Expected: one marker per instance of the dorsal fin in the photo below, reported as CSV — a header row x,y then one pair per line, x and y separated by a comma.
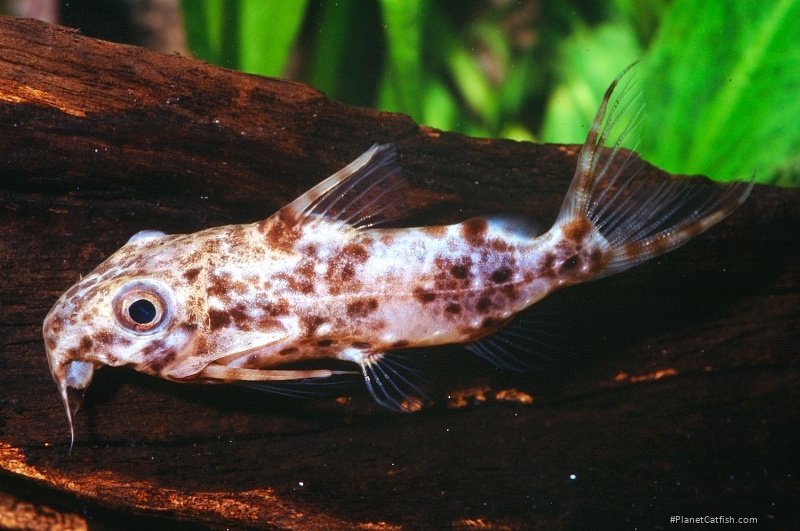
x,y
365,193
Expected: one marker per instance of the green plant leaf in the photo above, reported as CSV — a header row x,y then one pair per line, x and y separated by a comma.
x,y
267,31
721,84
203,29
404,76
589,60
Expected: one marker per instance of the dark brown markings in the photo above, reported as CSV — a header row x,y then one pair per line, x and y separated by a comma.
x,y
570,264
362,308
453,308
219,286
435,231
401,343
577,229
460,271
499,245
361,345
548,264
272,311
474,231
188,327
86,343
312,322
301,280
56,325
288,351
276,308
306,268
282,230
218,319
597,261
502,274
158,364
106,338
50,342
424,296
387,238
240,317
343,267
324,343
298,284
191,274
483,305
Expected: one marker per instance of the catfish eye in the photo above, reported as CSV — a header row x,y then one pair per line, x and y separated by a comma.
x,y
143,311
142,307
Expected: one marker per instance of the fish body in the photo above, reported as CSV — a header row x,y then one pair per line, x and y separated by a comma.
x,y
321,280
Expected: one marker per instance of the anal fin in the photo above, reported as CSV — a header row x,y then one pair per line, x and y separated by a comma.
x,y
530,342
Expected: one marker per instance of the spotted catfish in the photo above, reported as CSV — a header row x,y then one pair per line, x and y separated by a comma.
x,y
320,280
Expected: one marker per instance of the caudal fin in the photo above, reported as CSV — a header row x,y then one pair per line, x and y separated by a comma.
x,y
640,217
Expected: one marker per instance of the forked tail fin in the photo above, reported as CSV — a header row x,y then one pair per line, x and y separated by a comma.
x,y
639,217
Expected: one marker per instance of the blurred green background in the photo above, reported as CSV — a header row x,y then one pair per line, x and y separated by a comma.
x,y
721,79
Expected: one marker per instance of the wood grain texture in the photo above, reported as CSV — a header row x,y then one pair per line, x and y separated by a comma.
x,y
680,397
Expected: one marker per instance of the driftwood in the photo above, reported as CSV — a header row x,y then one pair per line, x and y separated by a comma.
x,y
680,398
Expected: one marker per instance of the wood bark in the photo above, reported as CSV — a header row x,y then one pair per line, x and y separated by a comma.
x,y
677,394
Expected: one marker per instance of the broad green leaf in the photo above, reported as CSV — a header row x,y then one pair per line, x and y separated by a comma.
x,y
589,60
268,29
473,85
440,110
203,29
403,82
722,84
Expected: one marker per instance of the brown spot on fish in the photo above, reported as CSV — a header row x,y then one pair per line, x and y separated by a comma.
x,y
86,343
501,275
282,230
343,267
577,229
460,271
157,364
218,285
483,305
597,261
474,231
288,351
499,245
362,308
401,343
424,296
276,308
191,274
240,317
325,343
356,252
435,231
297,283
453,308
361,345
218,319
312,322
50,342
56,325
